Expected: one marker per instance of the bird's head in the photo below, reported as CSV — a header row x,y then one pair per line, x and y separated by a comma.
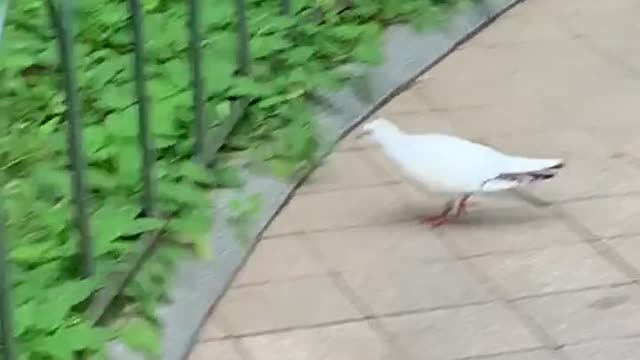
x,y
376,127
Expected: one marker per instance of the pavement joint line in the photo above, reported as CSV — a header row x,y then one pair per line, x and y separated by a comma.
x,y
569,291
524,319
501,297
602,53
382,184
353,320
502,353
598,245
509,252
365,309
407,221
288,279
596,340
611,255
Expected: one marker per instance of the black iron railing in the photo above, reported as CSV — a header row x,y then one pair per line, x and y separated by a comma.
x,y
206,144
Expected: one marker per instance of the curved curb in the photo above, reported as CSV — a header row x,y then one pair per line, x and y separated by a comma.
x,y
199,284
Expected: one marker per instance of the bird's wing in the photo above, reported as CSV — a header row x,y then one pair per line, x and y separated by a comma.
x,y
468,166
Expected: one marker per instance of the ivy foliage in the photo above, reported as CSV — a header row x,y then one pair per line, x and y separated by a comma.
x,y
291,57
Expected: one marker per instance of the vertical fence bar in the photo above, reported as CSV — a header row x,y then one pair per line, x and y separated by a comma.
x,y
7,343
8,348
244,56
62,20
144,131
200,128
285,7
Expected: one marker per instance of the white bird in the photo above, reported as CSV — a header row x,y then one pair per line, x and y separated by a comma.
x,y
456,167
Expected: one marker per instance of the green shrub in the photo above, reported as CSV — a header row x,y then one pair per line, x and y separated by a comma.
x,y
291,58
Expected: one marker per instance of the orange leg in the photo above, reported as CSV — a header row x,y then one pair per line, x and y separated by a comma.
x,y
442,218
437,220
462,206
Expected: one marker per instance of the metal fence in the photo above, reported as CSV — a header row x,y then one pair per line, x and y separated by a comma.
x,y
206,144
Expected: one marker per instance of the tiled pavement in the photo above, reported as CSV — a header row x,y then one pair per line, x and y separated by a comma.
x,y
347,273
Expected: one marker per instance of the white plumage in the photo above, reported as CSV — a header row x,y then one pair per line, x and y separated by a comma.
x,y
450,165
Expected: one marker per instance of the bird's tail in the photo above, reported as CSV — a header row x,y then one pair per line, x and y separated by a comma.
x,y
523,171
526,165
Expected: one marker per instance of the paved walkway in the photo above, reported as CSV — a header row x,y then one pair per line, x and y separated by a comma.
x,y
346,272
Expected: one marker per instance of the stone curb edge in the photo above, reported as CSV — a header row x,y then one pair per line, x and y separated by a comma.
x,y
199,284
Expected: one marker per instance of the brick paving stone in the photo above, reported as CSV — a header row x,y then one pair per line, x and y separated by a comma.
x,y
607,217
408,286
375,246
223,350
342,209
527,355
460,332
451,84
282,305
408,101
628,248
553,269
422,122
609,349
518,27
346,170
571,79
508,235
352,341
483,209
565,141
587,315
513,118
213,329
277,259
592,114
592,177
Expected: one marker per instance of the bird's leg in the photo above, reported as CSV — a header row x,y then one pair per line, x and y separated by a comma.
x,y
462,206
442,218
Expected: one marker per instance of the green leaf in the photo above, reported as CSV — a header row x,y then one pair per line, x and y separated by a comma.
x,y
52,181
101,74
178,72
58,302
228,177
275,100
24,318
123,123
282,168
95,138
262,46
128,162
116,97
141,335
346,32
193,228
142,225
196,173
182,193
66,341
164,121
243,86
109,222
370,50
300,54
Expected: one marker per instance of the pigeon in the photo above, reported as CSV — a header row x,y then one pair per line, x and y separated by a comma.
x,y
455,167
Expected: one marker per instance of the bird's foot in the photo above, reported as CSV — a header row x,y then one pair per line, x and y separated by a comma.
x,y
462,206
435,221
